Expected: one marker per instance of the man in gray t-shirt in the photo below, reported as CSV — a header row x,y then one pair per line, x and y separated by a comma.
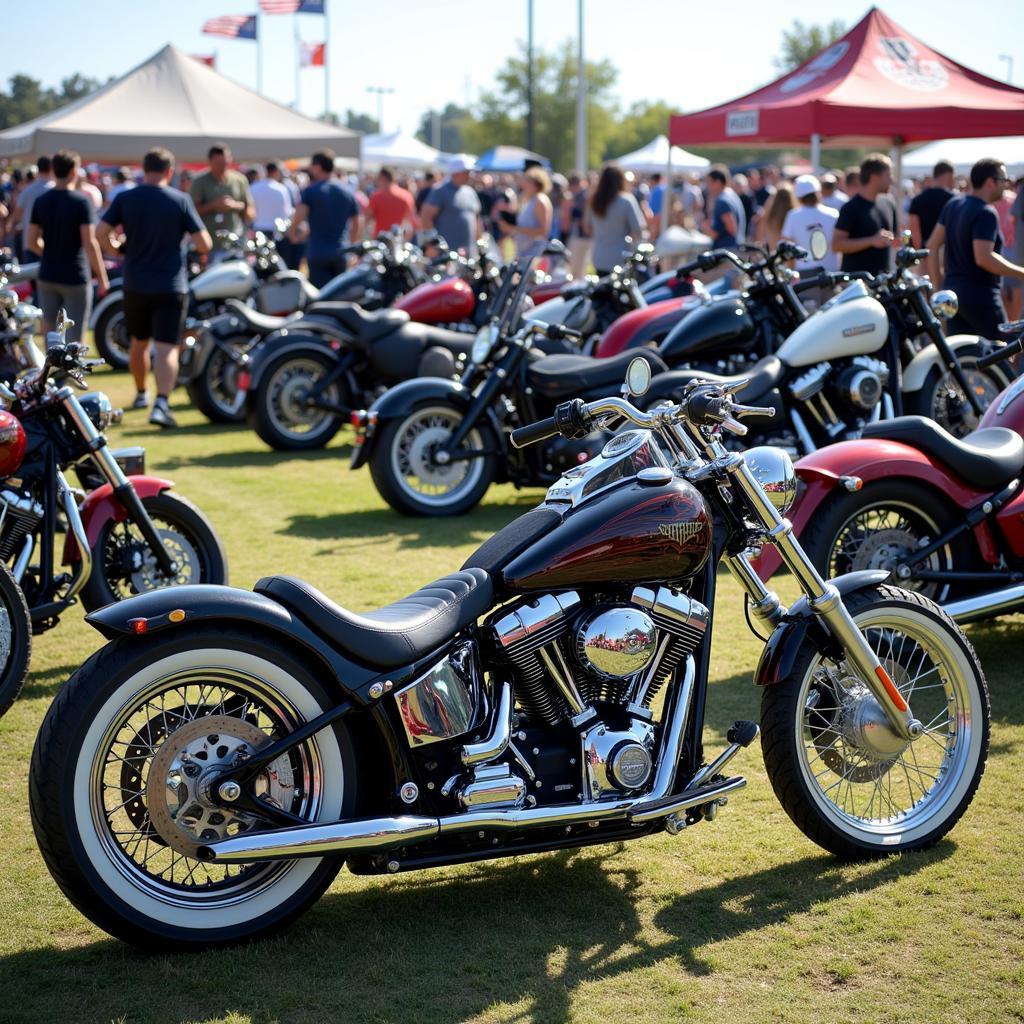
x,y
21,215
453,208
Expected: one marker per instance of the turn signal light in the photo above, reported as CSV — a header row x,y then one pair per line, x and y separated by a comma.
x,y
851,483
178,615
139,625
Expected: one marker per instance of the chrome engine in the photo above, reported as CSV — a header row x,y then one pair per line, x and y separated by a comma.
x,y
19,516
855,389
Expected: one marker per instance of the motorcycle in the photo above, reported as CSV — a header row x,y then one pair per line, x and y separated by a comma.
x,y
203,777
222,356
942,514
19,323
127,535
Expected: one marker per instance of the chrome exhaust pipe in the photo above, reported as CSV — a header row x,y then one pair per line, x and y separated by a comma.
x,y
984,606
376,834
67,498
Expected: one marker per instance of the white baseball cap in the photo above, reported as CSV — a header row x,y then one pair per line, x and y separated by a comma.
x,y
805,185
459,162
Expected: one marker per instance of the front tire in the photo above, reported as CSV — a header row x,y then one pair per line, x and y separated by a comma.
x,y
15,639
844,778
107,830
214,391
408,479
942,400
111,336
123,564
278,412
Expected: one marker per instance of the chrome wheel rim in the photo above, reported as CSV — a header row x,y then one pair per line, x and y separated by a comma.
x,y
881,536
151,850
222,375
422,479
286,399
862,777
117,334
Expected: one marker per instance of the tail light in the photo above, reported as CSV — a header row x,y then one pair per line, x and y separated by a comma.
x,y
244,380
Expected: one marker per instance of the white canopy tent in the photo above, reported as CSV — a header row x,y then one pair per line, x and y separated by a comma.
x,y
175,101
654,159
395,149
963,153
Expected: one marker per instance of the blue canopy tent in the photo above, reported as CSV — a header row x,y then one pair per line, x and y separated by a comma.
x,y
510,158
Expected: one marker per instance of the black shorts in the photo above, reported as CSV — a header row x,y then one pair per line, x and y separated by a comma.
x,y
159,316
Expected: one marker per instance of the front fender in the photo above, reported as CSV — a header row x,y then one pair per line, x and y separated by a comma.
x,y
282,343
113,297
780,652
921,365
102,506
218,604
399,401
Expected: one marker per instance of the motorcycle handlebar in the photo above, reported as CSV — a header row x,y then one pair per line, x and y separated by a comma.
x,y
533,433
1001,353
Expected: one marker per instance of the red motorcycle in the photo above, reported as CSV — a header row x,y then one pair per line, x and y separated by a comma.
x,y
944,515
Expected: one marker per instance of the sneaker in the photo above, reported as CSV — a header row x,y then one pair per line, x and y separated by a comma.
x,y
141,400
162,417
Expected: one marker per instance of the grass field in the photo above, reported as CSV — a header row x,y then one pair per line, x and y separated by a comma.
x,y
740,920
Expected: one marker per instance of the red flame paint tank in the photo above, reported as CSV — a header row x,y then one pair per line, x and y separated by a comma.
x,y
12,443
439,302
637,532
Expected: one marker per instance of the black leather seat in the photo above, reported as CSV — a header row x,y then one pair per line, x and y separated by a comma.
x,y
988,458
568,376
256,322
398,633
362,324
764,375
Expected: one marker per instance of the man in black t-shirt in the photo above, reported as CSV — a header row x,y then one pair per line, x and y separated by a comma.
x,y
926,207
965,252
867,224
62,230
156,220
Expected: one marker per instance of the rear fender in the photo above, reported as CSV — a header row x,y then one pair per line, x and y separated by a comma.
x,y
222,605
102,506
284,342
780,652
922,364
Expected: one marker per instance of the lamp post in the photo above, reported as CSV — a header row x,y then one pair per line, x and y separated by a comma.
x,y
581,96
381,91
1009,66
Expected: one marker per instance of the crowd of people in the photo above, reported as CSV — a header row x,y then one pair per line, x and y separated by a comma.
x,y
70,218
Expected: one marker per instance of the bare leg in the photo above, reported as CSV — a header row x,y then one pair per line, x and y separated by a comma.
x,y
166,369
138,362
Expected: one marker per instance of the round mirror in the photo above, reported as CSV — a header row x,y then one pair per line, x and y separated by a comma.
x,y
638,377
818,245
945,305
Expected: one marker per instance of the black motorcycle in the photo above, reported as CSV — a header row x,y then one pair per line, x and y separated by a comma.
x,y
202,778
125,532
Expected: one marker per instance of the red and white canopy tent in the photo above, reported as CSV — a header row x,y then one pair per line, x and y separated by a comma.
x,y
876,86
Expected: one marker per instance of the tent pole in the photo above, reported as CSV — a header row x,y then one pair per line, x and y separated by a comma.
x,y
259,55
297,56
327,61
896,156
815,153
666,199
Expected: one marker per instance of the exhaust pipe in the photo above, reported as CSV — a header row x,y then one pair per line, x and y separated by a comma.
x,y
374,834
984,606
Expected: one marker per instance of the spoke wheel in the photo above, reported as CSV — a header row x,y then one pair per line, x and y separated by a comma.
x,y
941,398
284,418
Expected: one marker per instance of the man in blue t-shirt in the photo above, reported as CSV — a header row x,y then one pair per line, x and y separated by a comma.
x,y
332,215
965,252
156,220
728,221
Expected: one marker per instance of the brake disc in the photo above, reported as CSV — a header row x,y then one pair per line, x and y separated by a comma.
x,y
884,549
146,575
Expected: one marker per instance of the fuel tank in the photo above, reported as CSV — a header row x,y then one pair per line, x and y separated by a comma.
x,y
439,302
232,279
856,327
12,443
636,532
646,326
1007,410
349,285
721,325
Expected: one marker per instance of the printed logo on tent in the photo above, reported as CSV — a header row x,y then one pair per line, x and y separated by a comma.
x,y
825,61
741,122
900,64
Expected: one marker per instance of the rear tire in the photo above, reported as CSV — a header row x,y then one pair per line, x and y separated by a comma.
x,y
144,896
410,483
15,639
941,400
111,336
214,390
276,412
817,726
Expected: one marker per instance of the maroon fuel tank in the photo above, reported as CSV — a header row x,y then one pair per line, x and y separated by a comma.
x,y
634,533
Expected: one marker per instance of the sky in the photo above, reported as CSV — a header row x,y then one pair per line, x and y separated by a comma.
x,y
430,52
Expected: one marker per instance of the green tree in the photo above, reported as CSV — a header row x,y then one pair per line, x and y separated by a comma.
x,y
500,114
637,126
361,123
453,120
25,97
801,42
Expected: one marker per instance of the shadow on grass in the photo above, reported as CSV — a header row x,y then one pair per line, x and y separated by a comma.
x,y
46,682
434,948
260,457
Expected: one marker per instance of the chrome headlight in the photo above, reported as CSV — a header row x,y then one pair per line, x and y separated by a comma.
x,y
27,315
945,304
485,340
98,408
773,470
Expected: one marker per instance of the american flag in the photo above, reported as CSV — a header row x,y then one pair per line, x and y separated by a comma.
x,y
234,26
292,6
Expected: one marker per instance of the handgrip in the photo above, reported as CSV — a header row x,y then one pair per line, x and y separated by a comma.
x,y
532,433
1001,353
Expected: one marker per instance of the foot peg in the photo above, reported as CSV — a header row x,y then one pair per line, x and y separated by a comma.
x,y
740,735
743,733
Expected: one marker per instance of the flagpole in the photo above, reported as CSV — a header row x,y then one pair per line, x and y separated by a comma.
x,y
327,61
259,55
297,55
